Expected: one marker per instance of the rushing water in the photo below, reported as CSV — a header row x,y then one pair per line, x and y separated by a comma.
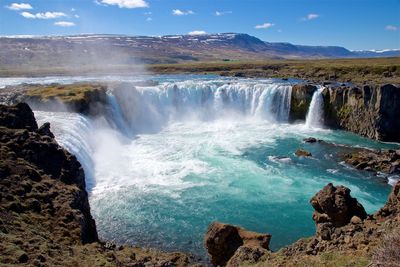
x,y
175,157
315,113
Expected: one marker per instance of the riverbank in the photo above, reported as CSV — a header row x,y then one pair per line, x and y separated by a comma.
x,y
373,71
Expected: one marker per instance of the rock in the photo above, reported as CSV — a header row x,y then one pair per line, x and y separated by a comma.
x,y
223,240
394,169
23,257
246,255
19,116
355,220
45,130
385,161
336,206
310,140
303,153
392,206
369,111
300,101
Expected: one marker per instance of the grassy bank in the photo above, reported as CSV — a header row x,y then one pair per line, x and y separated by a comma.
x,y
373,70
377,70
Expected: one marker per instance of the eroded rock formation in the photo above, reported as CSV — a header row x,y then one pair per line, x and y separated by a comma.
x,y
227,243
334,205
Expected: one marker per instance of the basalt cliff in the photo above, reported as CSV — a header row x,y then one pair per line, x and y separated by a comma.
x,y
370,111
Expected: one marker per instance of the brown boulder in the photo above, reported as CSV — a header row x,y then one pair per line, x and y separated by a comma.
x,y
335,205
223,241
392,206
303,153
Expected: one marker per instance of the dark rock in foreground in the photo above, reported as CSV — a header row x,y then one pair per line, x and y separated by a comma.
x,y
335,206
227,243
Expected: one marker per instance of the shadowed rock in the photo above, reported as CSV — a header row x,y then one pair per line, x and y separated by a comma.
x,y
335,205
224,241
19,116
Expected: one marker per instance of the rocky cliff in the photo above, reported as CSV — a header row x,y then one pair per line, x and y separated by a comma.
x,y
45,217
300,101
370,111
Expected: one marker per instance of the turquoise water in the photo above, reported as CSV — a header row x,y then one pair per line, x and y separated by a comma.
x,y
171,185
192,150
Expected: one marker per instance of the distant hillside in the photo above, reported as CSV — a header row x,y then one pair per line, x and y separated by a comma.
x,y
116,50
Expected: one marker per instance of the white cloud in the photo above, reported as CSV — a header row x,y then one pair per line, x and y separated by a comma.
x,y
46,15
311,16
264,26
73,9
149,19
221,13
178,12
64,24
124,3
21,6
28,15
197,33
391,28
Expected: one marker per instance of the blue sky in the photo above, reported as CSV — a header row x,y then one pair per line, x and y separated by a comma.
x,y
354,24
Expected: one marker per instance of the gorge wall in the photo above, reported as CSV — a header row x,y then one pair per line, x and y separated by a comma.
x,y
370,111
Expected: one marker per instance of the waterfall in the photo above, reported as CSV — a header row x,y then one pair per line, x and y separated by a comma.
x,y
73,132
315,113
138,109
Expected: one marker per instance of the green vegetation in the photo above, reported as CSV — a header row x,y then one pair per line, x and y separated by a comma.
x,y
65,93
377,70
372,70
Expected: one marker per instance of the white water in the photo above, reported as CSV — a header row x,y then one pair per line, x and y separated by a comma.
x,y
74,132
148,109
315,113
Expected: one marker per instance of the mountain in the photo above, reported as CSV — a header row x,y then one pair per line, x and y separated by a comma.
x,y
90,49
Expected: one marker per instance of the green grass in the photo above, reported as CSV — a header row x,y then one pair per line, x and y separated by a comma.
x,y
65,93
